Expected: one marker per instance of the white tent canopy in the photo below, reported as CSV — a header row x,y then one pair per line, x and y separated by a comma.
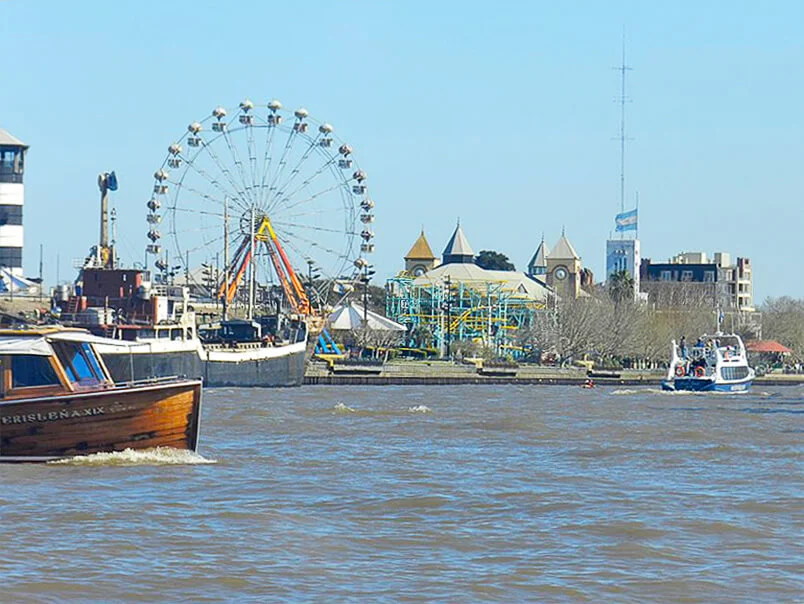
x,y
349,316
11,282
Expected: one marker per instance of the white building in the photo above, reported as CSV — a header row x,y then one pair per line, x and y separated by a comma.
x,y
623,255
12,165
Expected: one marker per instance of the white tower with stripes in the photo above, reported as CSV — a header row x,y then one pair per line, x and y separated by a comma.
x,y
12,167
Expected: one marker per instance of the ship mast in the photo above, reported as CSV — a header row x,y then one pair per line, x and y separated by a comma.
x,y
252,269
623,68
225,257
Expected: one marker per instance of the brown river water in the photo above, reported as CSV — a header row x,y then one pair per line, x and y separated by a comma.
x,y
414,493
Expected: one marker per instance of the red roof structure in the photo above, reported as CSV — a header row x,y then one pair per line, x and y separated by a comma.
x,y
771,346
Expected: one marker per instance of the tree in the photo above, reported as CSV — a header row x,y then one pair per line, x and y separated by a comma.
x,y
621,287
494,261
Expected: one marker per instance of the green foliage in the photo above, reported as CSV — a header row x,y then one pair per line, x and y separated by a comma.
x,y
621,287
422,336
494,261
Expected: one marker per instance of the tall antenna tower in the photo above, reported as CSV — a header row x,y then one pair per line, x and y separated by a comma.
x,y
623,68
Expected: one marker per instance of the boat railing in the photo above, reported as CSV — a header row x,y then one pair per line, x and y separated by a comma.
x,y
148,381
236,345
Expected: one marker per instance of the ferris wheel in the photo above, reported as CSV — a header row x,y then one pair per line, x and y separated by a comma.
x,y
264,195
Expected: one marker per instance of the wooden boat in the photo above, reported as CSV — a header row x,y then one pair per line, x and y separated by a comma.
x,y
57,400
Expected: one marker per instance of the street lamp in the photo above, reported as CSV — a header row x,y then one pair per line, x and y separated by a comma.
x,y
447,307
367,274
312,275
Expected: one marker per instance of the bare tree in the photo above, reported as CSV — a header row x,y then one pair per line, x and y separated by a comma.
x,y
783,320
364,337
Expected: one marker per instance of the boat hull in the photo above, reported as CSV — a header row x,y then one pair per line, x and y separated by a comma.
x,y
705,385
157,414
247,367
256,367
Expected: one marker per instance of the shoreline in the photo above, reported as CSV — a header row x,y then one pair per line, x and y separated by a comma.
x,y
444,373
374,380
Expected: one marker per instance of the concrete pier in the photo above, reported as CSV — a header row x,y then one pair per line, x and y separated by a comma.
x,y
438,372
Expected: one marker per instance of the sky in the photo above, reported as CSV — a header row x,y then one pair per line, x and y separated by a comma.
x,y
502,115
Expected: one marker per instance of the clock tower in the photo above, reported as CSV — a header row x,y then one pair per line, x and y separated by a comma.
x,y
420,258
563,271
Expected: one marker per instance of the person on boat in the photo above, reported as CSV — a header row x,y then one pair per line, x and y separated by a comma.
x,y
699,343
682,346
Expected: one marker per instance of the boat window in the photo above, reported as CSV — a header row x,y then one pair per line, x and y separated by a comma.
x,y
734,373
93,360
76,363
32,370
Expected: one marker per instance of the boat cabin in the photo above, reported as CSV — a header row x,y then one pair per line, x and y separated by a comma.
x,y
48,362
233,330
718,357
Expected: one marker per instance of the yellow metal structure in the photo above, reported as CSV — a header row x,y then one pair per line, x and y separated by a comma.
x,y
291,285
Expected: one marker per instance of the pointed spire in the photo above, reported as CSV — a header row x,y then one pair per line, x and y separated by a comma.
x,y
458,249
538,264
540,257
563,249
420,250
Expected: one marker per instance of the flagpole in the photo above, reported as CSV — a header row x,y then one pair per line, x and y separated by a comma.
x,y
636,231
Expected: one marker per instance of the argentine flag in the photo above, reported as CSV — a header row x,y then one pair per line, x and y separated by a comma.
x,y
627,221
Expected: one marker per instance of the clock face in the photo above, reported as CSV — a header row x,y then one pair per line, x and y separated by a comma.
x,y
560,273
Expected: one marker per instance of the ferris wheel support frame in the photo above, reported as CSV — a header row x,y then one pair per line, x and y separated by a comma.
x,y
244,260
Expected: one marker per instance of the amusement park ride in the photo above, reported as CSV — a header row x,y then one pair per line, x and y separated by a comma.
x,y
291,285
272,191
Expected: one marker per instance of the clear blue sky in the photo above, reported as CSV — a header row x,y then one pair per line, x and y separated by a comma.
x,y
501,114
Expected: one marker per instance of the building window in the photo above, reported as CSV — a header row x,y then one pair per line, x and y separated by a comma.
x,y
686,275
709,276
11,256
10,214
666,276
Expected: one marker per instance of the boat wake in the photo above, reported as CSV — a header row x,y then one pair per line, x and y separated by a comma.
x,y
344,409
341,408
420,409
157,456
636,391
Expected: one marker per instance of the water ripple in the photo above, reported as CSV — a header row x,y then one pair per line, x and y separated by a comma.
x,y
473,493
